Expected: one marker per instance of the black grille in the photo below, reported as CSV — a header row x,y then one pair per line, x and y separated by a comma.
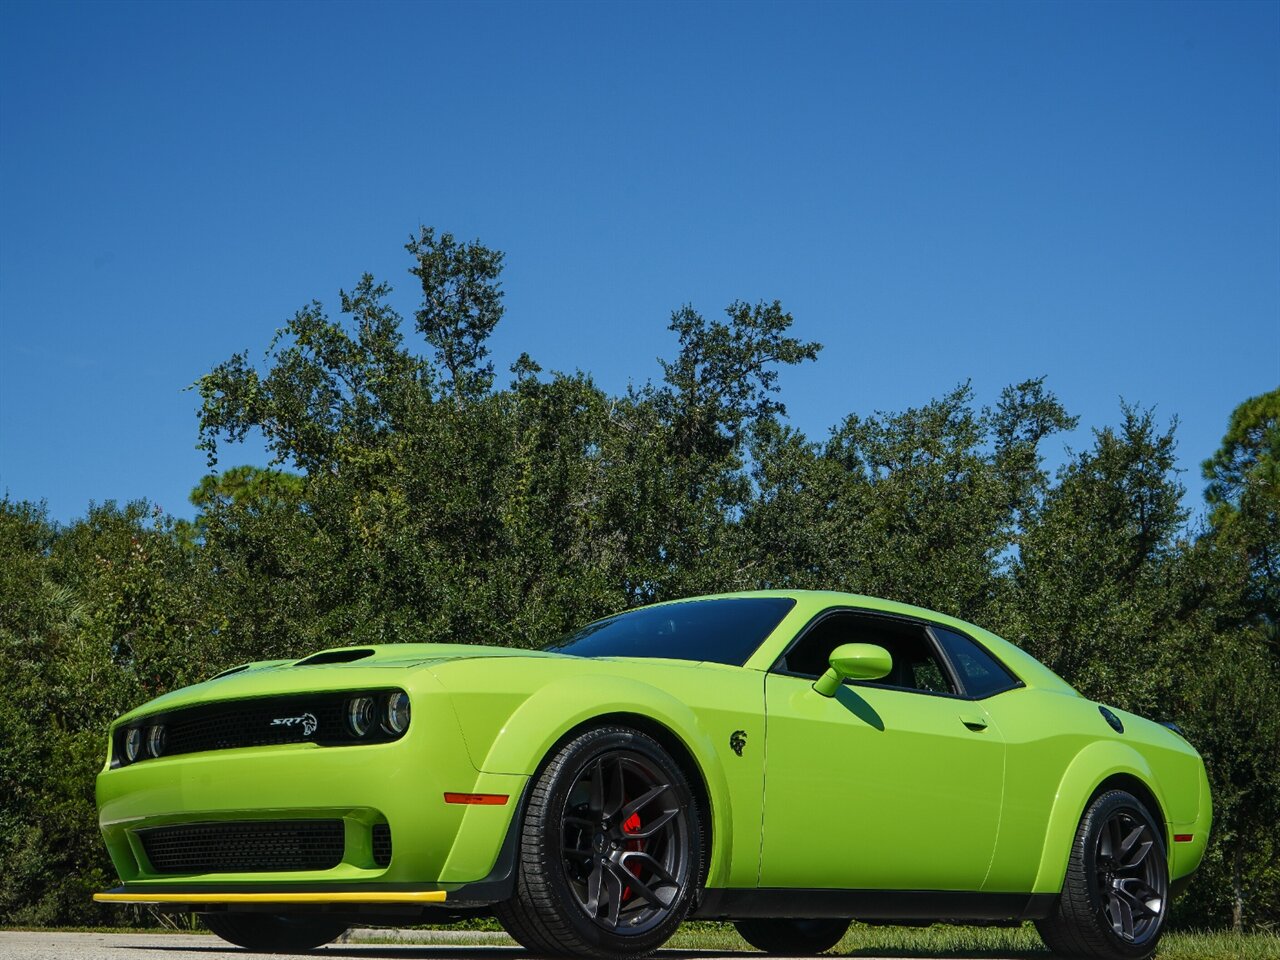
x,y
263,721
249,723
381,844
245,846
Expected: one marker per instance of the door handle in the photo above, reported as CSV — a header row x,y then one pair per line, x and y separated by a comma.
x,y
973,721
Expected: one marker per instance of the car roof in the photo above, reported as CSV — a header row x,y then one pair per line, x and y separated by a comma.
x,y
810,603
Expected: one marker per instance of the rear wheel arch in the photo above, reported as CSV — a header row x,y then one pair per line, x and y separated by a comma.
x,y
1140,791
1101,766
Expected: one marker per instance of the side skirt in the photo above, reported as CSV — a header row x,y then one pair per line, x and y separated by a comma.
x,y
932,905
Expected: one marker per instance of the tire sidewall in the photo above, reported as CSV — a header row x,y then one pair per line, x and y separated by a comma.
x,y
576,757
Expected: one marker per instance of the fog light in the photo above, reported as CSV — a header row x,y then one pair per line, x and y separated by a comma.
x,y
156,739
360,715
133,744
395,719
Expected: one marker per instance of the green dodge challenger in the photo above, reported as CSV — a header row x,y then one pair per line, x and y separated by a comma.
x,y
787,760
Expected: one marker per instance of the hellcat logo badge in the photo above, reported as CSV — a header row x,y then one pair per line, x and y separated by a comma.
x,y
307,721
738,741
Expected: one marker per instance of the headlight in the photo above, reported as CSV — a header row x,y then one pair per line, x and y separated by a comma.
x,y
361,715
156,738
395,719
133,744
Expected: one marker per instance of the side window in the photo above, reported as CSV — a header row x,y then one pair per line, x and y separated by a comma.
x,y
916,665
981,674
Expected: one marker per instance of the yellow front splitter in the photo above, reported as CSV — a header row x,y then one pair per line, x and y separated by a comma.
x,y
336,896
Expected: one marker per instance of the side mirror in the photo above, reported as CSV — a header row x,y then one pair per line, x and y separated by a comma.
x,y
854,661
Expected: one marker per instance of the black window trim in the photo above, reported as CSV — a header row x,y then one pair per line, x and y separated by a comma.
x,y
953,675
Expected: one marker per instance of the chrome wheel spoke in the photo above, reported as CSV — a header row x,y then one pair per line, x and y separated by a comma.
x,y
653,826
1129,840
1140,897
646,798
650,862
593,889
637,885
1121,916
614,884
595,788
618,788
1138,855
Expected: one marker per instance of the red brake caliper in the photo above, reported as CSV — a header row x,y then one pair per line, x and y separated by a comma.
x,y
632,825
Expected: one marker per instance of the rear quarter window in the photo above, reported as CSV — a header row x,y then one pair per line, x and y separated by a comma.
x,y
979,673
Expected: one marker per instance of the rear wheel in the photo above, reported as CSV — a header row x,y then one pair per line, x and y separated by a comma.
x,y
792,936
610,850
275,932
1116,893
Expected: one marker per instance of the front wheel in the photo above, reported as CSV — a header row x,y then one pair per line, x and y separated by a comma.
x,y
792,936
611,850
1116,893
275,932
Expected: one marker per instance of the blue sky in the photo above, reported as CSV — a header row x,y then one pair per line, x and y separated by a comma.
x,y
938,192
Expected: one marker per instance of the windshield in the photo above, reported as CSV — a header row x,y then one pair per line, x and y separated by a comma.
x,y
722,631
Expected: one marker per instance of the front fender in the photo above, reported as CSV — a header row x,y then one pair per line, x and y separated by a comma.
x,y
1091,766
515,723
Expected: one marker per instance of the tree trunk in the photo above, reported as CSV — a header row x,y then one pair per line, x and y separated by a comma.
x,y
1237,893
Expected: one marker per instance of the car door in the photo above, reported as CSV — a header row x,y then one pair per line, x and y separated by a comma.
x,y
891,785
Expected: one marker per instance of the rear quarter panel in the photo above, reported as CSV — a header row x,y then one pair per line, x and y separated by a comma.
x,y
1059,751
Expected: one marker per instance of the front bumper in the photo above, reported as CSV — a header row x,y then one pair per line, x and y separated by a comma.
x,y
437,846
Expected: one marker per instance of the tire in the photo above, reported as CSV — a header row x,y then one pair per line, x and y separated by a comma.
x,y
611,851
1115,897
275,932
792,936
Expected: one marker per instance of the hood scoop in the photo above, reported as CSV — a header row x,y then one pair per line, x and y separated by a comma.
x,y
335,656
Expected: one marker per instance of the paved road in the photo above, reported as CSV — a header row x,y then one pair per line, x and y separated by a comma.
x,y
155,946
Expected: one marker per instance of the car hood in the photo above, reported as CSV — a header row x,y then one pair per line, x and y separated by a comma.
x,y
374,665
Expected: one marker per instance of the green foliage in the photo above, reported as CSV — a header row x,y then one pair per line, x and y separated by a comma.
x,y
413,497
1244,492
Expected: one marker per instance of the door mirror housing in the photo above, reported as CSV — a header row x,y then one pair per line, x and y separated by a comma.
x,y
854,661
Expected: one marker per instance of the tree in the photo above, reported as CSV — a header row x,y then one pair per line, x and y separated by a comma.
x,y
461,304
1244,494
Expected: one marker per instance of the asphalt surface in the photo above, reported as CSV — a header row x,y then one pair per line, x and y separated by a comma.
x,y
174,946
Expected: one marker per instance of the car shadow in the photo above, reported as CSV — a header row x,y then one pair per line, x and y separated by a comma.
x,y
392,952
882,953
446,952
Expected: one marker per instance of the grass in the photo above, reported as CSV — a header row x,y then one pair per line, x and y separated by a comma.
x,y
940,942
937,942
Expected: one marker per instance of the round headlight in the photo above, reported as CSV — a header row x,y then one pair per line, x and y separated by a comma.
x,y
395,719
133,744
361,715
156,738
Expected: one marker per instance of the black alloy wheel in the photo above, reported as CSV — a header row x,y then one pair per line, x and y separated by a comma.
x,y
1130,877
611,849
1116,893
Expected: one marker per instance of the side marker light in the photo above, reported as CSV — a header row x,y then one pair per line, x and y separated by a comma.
x,y
479,799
